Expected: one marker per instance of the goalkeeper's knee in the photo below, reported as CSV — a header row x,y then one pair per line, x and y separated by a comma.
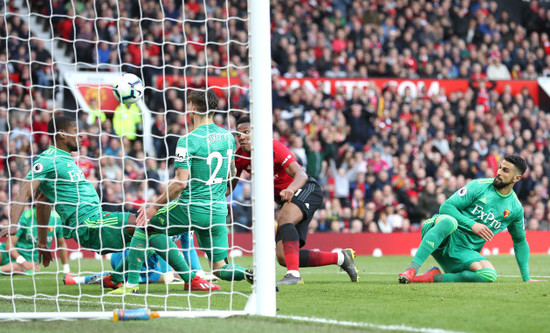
x,y
487,274
446,223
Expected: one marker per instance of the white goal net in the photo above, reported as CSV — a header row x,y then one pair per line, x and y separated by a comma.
x,y
61,58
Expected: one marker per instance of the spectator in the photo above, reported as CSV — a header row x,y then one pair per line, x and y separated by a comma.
x,y
496,70
127,120
420,144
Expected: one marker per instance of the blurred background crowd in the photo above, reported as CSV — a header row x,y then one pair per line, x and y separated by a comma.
x,y
385,160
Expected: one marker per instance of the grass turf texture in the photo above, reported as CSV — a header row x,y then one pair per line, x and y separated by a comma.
x,y
508,305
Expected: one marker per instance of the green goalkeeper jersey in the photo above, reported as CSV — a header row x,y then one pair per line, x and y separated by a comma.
x,y
28,234
207,152
480,202
65,185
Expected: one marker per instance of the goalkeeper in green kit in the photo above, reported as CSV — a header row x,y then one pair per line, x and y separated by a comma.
x,y
204,159
468,219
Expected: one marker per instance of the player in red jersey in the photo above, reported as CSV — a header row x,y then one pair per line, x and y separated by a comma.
x,y
299,196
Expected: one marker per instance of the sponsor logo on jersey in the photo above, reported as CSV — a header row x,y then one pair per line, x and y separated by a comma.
x,y
109,213
506,213
69,165
38,167
462,192
307,205
430,243
487,218
483,200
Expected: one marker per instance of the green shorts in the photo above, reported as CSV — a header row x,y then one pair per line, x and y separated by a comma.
x,y
104,233
455,254
211,230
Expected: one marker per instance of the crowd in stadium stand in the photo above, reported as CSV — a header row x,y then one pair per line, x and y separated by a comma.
x,y
383,169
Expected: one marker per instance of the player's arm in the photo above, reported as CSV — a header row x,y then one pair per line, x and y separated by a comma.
x,y
173,190
12,250
521,248
299,176
63,254
43,213
458,202
29,188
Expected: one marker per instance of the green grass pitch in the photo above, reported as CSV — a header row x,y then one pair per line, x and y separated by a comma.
x,y
327,302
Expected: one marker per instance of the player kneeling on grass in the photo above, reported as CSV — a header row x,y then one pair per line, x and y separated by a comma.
x,y
76,201
203,160
299,196
468,219
18,255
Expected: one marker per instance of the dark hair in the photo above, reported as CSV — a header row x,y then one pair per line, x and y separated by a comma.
x,y
243,120
59,123
203,100
518,162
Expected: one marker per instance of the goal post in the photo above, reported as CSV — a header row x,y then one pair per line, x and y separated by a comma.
x,y
262,156
42,295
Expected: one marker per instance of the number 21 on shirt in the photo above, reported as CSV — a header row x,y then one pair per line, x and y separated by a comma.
x,y
181,154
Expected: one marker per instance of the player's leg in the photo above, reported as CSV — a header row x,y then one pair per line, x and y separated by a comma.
x,y
288,235
170,220
288,242
9,267
460,264
481,270
300,211
163,271
214,241
190,254
344,258
434,232
117,236
69,279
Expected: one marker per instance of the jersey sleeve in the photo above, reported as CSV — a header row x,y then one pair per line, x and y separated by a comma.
x,y
183,153
521,247
42,168
240,161
282,155
459,201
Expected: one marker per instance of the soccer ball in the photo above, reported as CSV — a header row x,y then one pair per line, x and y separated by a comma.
x,y
128,88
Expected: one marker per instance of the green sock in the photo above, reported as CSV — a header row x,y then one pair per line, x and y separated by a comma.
x,y
116,276
445,226
481,275
171,253
414,265
231,272
136,256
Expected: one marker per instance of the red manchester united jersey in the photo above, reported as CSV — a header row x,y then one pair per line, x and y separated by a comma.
x,y
282,157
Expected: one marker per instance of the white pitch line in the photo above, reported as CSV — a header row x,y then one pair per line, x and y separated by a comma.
x,y
368,325
92,302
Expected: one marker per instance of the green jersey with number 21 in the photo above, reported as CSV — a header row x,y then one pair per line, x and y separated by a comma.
x,y
207,152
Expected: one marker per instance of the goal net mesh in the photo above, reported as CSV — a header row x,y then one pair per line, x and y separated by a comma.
x,y
61,58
